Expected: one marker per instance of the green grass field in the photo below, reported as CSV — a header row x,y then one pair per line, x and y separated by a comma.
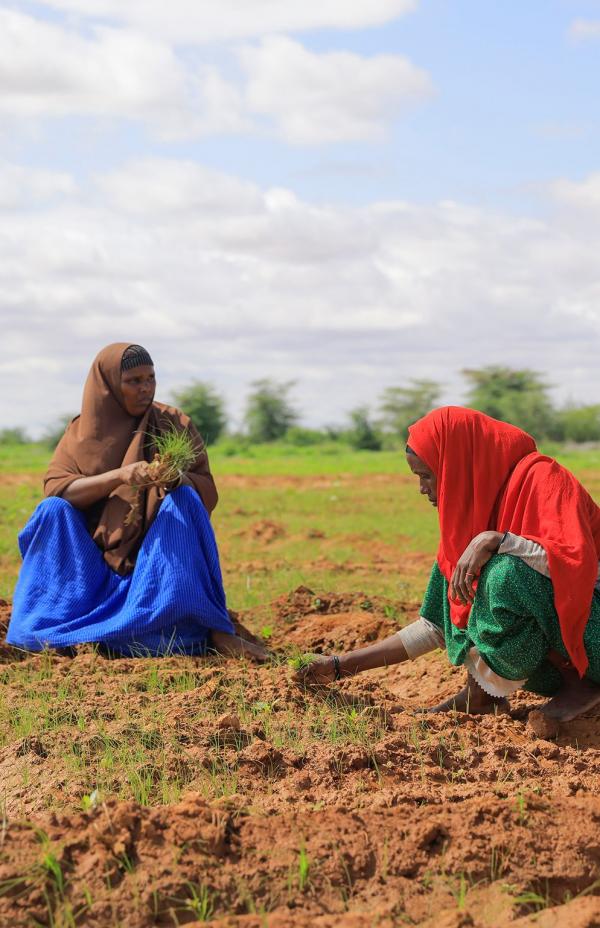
x,y
341,519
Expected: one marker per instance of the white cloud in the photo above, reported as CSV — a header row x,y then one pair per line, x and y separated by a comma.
x,y
48,71
330,97
21,187
162,187
203,21
582,30
581,195
228,282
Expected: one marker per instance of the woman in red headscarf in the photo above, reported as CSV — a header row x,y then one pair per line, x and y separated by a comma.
x,y
512,593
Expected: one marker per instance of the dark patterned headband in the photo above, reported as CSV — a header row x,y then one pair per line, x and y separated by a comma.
x,y
135,356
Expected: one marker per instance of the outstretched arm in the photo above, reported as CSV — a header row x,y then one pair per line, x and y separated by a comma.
x,y
389,651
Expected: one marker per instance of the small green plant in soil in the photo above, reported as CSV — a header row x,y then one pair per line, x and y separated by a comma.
x,y
302,660
200,902
299,875
521,808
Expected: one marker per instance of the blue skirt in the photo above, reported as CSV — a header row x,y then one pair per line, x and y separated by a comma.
x,y
67,594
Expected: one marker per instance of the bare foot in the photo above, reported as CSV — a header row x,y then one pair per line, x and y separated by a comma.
x,y
474,700
575,697
234,646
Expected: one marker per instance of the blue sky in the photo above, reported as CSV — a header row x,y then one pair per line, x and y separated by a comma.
x,y
349,207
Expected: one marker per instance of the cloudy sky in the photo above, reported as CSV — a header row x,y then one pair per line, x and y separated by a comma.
x,y
346,193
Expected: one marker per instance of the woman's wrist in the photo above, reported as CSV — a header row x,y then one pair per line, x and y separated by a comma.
x,y
345,664
491,540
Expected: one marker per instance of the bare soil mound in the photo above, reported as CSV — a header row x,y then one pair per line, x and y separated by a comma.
x,y
321,622
122,863
265,531
183,791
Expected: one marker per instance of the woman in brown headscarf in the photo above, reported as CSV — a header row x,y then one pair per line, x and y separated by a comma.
x,y
144,585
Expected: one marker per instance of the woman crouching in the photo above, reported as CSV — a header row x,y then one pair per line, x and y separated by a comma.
x,y
513,595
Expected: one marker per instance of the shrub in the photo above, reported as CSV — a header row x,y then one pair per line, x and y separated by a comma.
x,y
269,413
205,407
14,436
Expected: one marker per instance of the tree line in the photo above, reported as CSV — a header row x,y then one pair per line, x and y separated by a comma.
x,y
519,396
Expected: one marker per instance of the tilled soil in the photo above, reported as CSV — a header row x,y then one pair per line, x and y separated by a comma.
x,y
142,792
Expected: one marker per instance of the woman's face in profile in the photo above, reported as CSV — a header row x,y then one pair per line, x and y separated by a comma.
x,y
138,387
427,479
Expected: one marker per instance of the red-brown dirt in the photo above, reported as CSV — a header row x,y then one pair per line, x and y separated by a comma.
x,y
445,821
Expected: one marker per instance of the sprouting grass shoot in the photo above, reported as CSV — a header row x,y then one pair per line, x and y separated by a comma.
x,y
175,453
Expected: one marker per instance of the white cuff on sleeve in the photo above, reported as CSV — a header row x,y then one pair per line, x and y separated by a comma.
x,y
528,551
420,637
487,679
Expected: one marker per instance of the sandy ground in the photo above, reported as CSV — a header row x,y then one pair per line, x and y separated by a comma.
x,y
444,821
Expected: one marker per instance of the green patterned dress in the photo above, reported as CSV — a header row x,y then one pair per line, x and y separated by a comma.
x,y
513,624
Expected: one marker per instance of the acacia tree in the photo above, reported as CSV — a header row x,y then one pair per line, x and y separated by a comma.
x,y
362,434
518,396
401,406
269,413
205,407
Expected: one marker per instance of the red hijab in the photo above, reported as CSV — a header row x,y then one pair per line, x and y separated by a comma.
x,y
490,476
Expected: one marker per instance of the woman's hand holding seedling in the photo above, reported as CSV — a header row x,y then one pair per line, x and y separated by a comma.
x,y
314,670
319,671
175,453
140,474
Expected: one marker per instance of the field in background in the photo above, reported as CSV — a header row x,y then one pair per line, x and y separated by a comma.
x,y
285,517
288,516
178,791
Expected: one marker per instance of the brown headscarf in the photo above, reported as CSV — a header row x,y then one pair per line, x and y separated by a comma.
x,y
105,437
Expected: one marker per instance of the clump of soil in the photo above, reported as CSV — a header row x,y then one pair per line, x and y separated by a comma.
x,y
303,601
326,621
265,531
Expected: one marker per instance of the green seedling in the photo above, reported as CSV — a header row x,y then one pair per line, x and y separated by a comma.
x,y
303,869
302,661
529,900
175,453
521,807
299,875
200,902
391,613
90,801
460,890
266,632
50,864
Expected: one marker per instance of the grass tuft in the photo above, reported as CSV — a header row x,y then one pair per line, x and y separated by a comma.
x,y
175,453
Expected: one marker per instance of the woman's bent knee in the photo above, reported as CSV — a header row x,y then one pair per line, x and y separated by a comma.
x,y
53,505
